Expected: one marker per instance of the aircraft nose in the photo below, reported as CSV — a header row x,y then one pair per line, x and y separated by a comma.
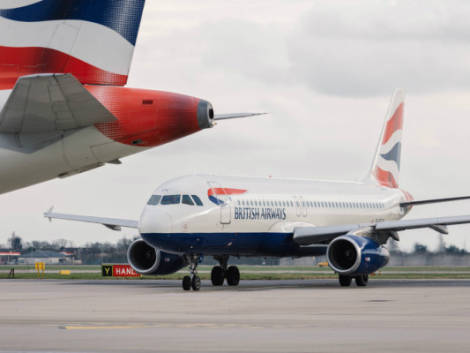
x,y
154,220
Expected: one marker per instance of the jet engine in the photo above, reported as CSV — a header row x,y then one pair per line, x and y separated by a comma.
x,y
351,255
148,260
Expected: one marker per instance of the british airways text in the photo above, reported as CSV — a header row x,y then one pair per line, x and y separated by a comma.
x,y
248,213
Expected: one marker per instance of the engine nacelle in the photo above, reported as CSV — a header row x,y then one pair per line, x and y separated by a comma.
x,y
353,255
148,260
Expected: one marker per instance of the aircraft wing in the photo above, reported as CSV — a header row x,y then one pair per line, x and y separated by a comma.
x,y
425,202
50,103
315,235
111,223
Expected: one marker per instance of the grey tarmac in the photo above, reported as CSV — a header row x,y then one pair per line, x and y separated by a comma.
x,y
259,316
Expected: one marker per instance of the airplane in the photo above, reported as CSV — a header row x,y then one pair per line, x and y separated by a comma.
x,y
349,222
64,109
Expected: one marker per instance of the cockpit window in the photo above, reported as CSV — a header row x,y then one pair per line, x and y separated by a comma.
x,y
197,200
187,200
171,200
154,200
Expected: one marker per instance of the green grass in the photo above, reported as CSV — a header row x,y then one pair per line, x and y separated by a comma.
x,y
254,276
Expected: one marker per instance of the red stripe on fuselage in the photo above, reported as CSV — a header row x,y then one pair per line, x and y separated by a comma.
x,y
395,123
146,118
225,191
17,62
385,178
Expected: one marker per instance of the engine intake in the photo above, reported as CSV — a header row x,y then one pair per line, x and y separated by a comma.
x,y
148,260
352,254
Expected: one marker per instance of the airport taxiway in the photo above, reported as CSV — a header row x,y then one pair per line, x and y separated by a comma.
x,y
259,316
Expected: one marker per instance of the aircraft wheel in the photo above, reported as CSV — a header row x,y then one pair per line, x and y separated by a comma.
x,y
186,283
196,283
345,281
217,276
362,280
233,276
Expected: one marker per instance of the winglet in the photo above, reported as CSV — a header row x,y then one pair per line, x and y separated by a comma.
x,y
47,214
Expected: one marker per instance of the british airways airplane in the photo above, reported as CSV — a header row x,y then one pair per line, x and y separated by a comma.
x,y
63,107
203,215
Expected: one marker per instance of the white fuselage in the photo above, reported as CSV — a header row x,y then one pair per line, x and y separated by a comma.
x,y
240,208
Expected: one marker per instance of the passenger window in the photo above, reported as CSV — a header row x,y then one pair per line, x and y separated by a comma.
x,y
171,200
154,200
187,200
197,200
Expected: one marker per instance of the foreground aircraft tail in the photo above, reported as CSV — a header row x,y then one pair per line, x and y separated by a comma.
x,y
93,40
386,164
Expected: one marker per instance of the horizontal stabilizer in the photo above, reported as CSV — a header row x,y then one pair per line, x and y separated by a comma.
x,y
424,202
111,223
50,103
236,116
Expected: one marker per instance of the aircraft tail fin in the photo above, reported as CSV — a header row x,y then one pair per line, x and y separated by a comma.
x,y
93,40
385,167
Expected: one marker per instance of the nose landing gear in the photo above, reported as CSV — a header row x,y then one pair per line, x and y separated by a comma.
x,y
222,272
193,281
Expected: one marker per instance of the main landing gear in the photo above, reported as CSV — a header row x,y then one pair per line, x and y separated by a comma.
x,y
193,281
361,280
222,272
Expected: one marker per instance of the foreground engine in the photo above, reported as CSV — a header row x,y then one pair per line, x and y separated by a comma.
x,y
352,255
148,260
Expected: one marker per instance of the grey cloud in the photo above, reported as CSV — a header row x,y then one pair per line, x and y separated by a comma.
x,y
366,48
339,47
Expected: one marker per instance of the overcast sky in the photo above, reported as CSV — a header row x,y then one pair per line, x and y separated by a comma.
x,y
324,69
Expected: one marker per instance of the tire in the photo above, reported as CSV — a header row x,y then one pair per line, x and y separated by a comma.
x,y
345,281
186,283
196,283
217,276
233,276
362,280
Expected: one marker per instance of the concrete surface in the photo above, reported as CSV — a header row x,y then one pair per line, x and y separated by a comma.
x,y
259,316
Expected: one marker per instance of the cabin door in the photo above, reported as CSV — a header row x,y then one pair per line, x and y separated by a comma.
x,y
221,198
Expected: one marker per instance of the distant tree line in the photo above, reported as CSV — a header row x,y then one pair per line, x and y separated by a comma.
x,y
97,252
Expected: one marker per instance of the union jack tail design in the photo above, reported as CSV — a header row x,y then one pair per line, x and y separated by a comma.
x,y
386,165
92,39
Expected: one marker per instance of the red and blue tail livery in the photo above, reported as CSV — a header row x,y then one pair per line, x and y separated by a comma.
x,y
386,167
92,39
